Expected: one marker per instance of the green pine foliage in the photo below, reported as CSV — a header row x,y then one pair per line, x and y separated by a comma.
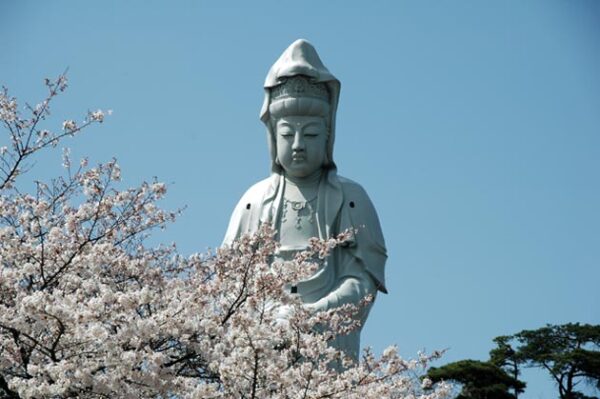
x,y
570,353
479,380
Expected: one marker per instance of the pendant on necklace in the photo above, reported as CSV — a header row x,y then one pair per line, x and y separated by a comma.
x,y
298,205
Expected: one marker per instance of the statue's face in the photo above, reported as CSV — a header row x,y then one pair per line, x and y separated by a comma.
x,y
301,144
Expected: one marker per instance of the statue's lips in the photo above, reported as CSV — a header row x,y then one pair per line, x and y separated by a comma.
x,y
298,158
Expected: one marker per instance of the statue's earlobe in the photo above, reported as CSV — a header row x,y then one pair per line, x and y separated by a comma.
x,y
326,160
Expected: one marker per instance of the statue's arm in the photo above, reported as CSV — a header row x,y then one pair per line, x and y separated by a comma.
x,y
368,246
351,288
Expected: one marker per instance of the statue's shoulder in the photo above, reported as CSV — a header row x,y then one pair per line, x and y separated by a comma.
x,y
360,207
258,189
352,188
247,206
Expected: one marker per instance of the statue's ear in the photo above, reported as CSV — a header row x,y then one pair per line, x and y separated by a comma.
x,y
326,159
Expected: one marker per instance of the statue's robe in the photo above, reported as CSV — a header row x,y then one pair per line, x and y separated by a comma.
x,y
342,204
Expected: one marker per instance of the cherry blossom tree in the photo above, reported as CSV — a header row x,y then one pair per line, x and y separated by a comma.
x,y
88,309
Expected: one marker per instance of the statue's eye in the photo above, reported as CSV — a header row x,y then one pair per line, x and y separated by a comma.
x,y
311,133
286,133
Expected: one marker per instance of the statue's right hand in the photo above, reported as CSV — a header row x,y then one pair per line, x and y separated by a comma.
x,y
282,314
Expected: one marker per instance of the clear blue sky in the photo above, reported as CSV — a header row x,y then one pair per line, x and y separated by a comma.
x,y
474,126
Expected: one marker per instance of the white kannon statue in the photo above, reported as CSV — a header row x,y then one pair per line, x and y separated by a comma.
x,y
304,196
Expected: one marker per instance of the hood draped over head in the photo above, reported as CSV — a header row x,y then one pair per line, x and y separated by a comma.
x,y
300,59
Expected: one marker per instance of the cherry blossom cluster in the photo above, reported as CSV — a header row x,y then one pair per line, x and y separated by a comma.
x,y
88,309
25,134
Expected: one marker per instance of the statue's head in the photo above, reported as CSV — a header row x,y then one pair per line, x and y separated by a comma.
x,y
301,99
299,119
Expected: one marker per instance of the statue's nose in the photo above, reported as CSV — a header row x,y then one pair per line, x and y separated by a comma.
x,y
298,144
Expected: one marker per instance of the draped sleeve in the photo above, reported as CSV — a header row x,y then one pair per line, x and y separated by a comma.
x,y
250,209
368,245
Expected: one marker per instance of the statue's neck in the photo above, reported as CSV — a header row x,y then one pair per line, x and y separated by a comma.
x,y
302,189
307,181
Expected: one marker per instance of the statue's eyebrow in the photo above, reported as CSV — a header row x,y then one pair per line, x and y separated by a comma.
x,y
291,124
310,124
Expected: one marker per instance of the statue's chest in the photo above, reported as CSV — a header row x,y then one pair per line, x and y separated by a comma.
x,y
297,219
